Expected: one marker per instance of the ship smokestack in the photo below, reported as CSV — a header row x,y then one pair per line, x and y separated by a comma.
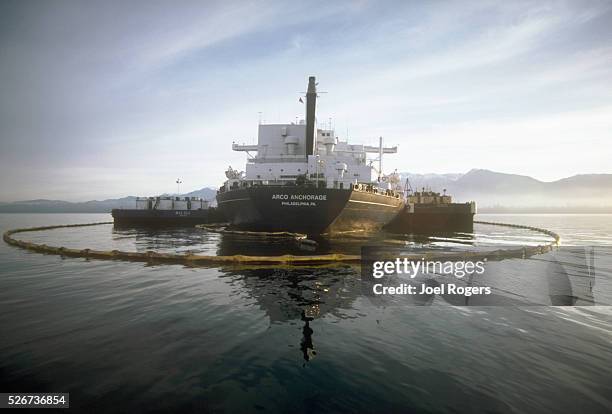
x,y
311,103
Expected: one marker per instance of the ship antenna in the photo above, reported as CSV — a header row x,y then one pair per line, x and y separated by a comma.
x,y
178,186
380,155
408,187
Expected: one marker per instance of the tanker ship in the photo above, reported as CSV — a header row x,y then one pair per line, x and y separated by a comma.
x,y
304,179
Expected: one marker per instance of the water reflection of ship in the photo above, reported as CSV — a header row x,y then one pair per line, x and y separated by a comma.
x,y
349,243
306,345
304,294
233,244
283,294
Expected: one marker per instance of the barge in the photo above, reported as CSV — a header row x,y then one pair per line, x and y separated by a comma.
x,y
430,212
166,211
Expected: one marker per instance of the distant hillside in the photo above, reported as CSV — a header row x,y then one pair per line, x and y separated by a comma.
x,y
493,192
509,191
205,193
94,206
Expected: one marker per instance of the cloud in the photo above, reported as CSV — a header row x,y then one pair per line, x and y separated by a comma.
x,y
120,98
542,146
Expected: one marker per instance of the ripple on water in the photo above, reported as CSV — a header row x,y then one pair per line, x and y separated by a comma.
x,y
175,338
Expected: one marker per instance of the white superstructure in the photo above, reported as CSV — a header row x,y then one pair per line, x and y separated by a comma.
x,y
280,159
300,153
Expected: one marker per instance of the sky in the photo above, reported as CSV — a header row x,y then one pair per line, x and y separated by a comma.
x,y
110,98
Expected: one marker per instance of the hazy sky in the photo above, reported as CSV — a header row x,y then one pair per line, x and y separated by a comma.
x,y
106,99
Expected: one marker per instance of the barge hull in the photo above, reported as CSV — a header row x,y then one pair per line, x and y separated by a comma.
x,y
443,218
164,218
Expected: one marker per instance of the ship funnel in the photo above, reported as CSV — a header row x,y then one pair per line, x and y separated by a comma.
x,y
311,103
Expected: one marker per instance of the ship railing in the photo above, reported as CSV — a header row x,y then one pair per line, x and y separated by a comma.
x,y
370,188
276,158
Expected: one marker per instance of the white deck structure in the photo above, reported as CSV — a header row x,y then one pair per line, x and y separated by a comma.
x,y
280,159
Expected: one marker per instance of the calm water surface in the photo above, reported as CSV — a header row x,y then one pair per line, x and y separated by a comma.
x,y
130,337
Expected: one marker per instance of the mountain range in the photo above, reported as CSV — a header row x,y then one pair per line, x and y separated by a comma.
x,y
93,206
492,191
510,192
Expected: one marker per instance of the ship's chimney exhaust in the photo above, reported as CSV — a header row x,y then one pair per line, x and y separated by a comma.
x,y
311,104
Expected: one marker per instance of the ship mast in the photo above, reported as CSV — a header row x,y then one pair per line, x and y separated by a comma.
x,y
311,103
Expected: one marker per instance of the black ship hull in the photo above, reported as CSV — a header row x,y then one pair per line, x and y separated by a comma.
x,y
434,218
307,210
163,218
